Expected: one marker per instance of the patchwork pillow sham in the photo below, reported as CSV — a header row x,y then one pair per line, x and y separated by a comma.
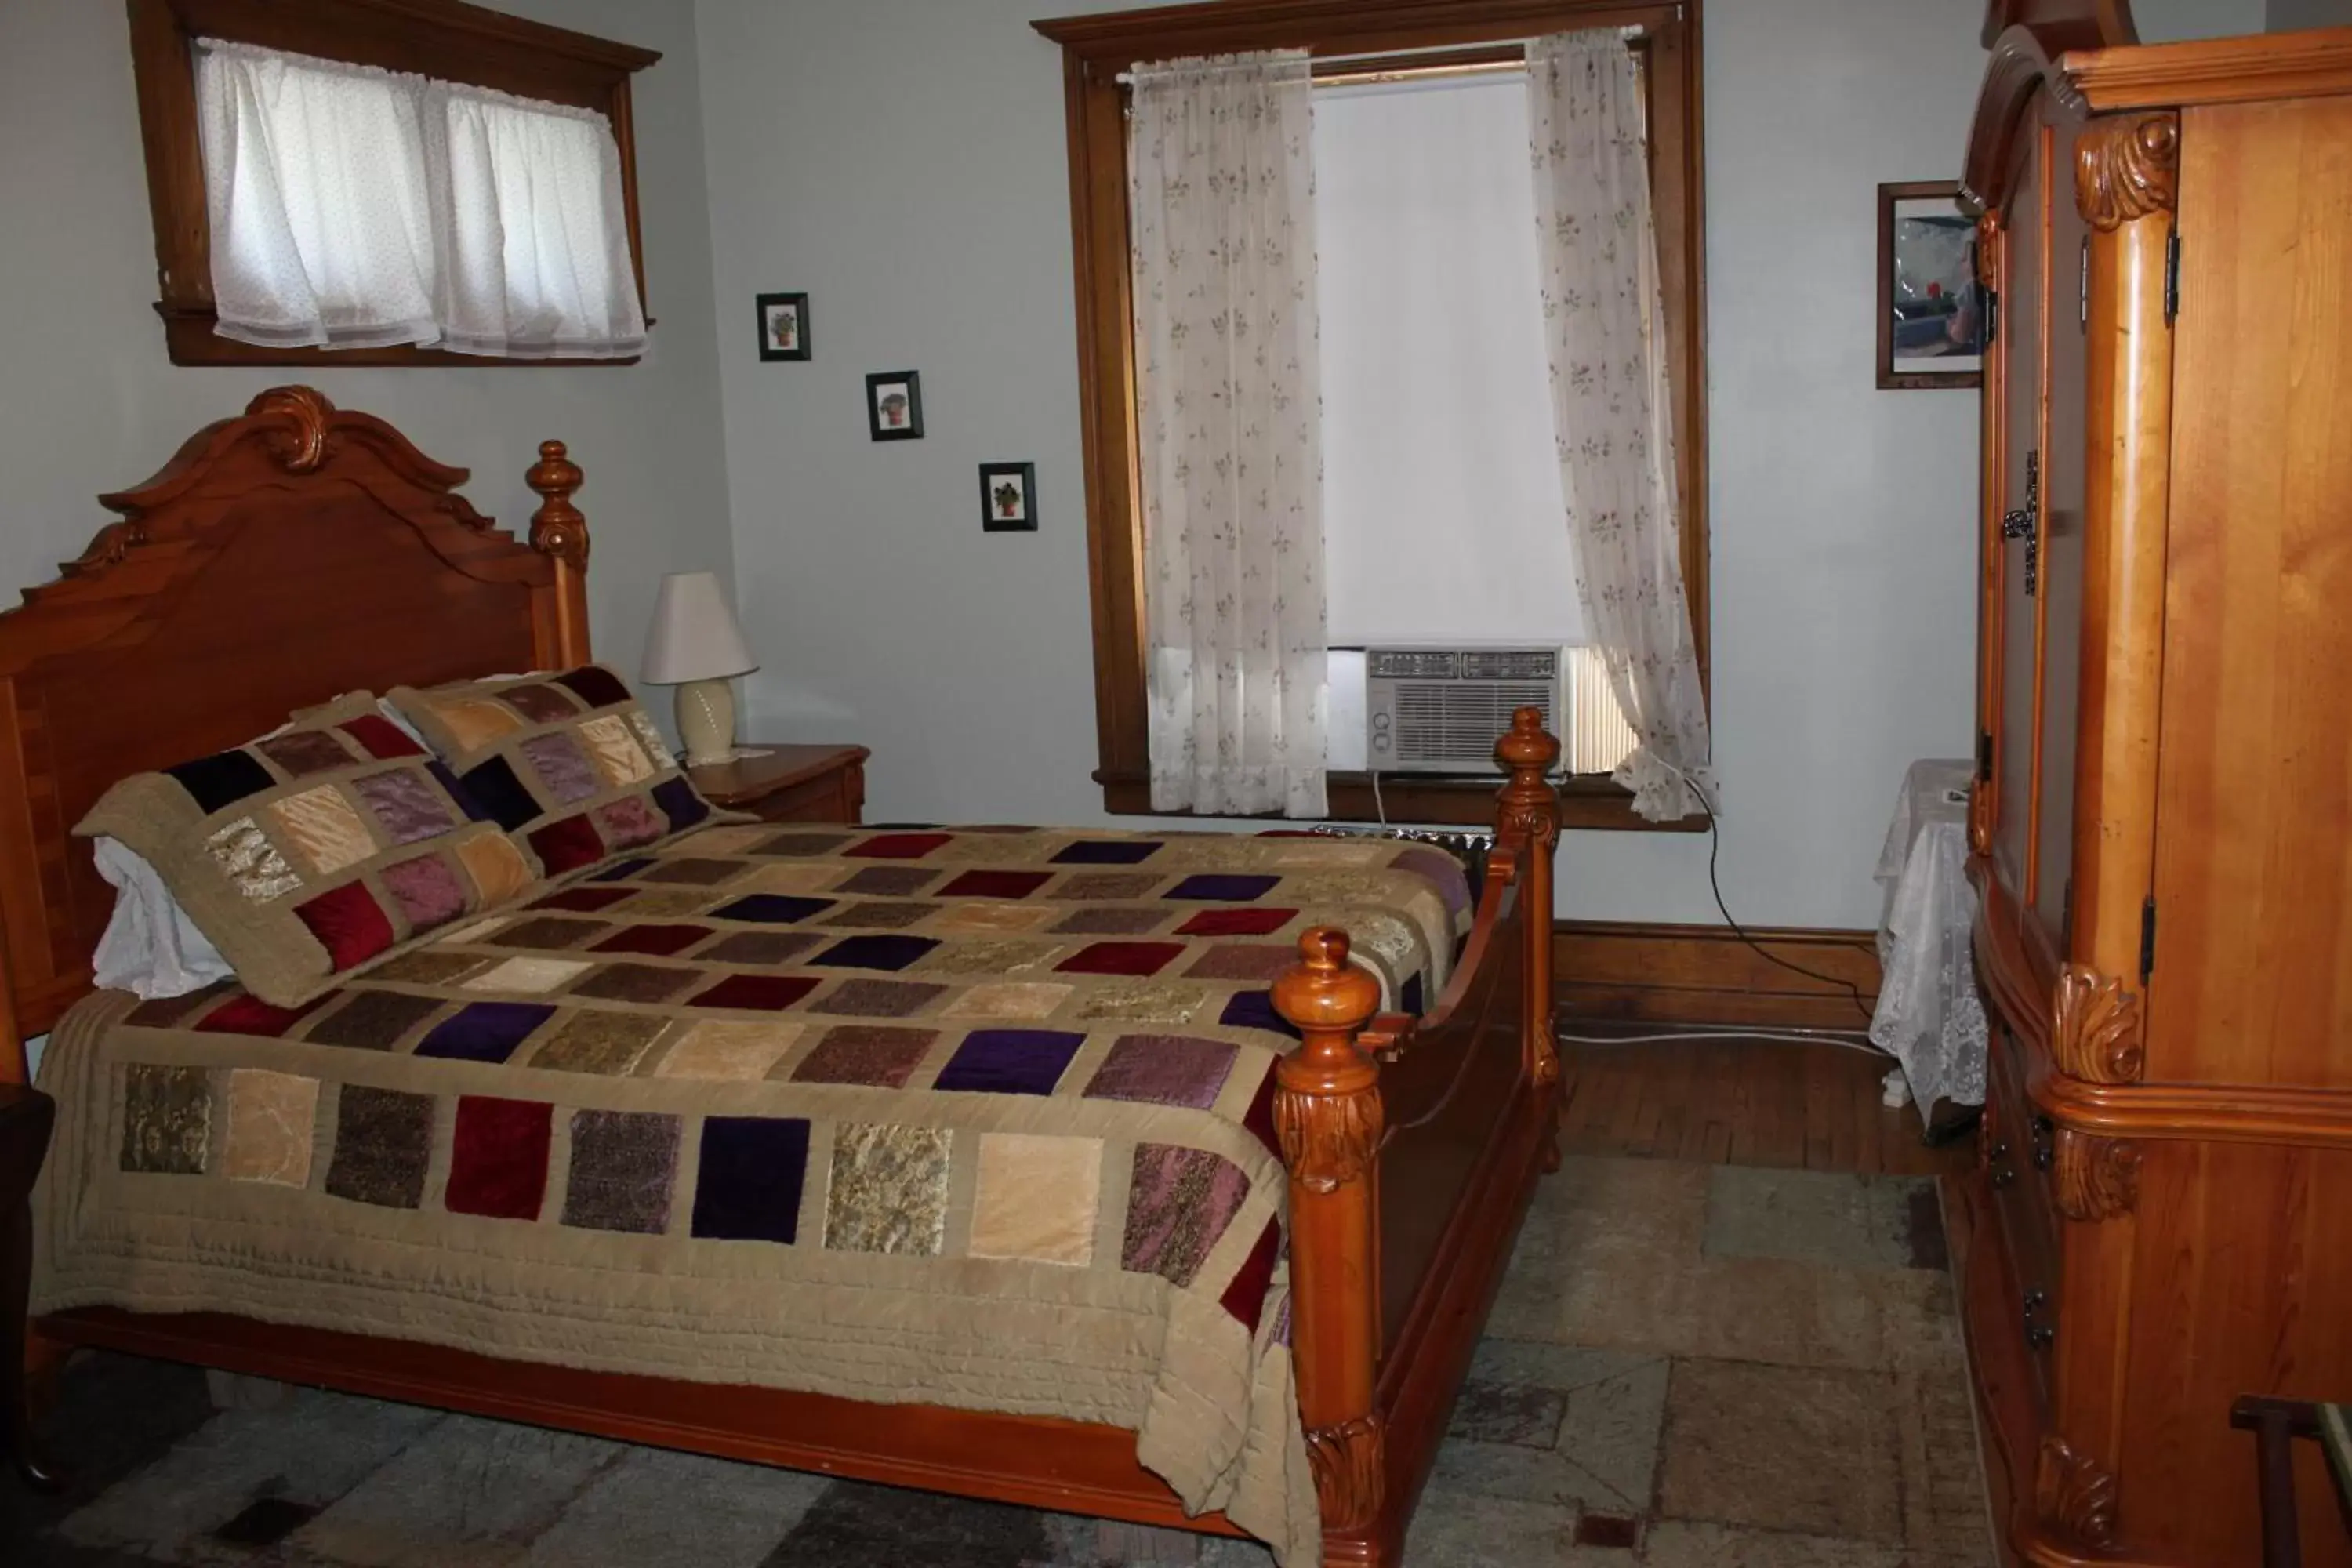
x,y
316,852
565,760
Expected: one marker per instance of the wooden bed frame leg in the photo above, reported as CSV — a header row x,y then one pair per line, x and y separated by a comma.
x,y
1327,1114
1528,814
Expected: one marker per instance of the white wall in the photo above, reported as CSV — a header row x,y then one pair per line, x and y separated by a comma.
x,y
2171,21
2289,15
903,160
89,403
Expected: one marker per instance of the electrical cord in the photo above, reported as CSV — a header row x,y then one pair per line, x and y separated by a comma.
x,y
1801,1037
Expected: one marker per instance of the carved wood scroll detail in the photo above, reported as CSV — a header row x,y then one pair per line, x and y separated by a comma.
x,y
2127,167
2095,1029
1527,805
306,438
1349,1461
558,527
2075,1493
1327,1109
2094,1178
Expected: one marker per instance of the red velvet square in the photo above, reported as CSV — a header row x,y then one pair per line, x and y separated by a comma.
x,y
757,993
382,737
1121,958
498,1157
244,1015
1244,1297
349,924
899,845
567,845
994,885
1237,922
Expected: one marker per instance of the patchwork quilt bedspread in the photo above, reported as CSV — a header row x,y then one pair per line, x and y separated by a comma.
x,y
978,1117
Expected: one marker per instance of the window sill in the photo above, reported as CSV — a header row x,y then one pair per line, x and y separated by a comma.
x,y
1421,800
189,335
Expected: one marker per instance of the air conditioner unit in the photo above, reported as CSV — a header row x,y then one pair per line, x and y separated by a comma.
x,y
1441,710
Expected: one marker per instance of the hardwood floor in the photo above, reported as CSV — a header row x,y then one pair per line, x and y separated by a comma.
x,y
1742,1102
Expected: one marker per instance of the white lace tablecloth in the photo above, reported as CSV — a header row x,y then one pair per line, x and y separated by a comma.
x,y
1929,1017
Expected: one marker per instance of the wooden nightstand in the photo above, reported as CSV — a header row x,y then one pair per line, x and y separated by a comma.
x,y
791,783
25,1116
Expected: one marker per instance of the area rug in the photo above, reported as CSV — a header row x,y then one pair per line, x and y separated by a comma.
x,y
1687,1365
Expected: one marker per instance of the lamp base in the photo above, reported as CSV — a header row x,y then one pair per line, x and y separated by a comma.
x,y
706,722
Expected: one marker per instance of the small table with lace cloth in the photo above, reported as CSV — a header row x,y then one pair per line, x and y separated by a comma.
x,y
1929,1017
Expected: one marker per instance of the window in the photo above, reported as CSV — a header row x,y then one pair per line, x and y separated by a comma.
x,y
333,183
1418,425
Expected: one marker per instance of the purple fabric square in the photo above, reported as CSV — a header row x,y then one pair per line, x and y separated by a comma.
x,y
628,822
1438,867
1010,1061
301,753
621,872
1164,1069
485,1031
562,767
680,802
893,952
772,908
426,890
474,809
1180,1202
752,1170
540,702
1107,852
1254,1010
406,804
1411,998
1225,887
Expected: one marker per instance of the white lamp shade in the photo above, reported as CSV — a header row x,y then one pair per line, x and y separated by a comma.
x,y
695,637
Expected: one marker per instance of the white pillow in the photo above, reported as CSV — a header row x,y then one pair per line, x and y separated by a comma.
x,y
150,948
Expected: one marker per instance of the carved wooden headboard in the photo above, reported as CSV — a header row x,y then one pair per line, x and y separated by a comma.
x,y
279,559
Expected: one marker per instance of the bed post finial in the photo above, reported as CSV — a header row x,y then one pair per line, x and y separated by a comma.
x,y
1328,1116
1527,814
560,532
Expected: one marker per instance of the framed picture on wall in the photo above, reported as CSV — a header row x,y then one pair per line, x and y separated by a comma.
x,y
1008,498
783,326
894,406
1931,315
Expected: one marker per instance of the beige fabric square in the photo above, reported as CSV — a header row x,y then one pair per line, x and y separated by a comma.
x,y
1143,1002
269,1118
473,931
732,839
474,722
497,867
727,1049
650,738
324,828
995,916
999,955
250,861
1009,999
1036,1198
796,876
529,975
613,747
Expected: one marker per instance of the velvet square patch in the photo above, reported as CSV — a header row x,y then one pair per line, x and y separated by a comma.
x,y
624,1168
1164,1069
1244,1296
1009,1000
753,1171
383,1145
728,1049
269,1122
498,1157
465,803
222,779
888,1191
994,955
1258,1121
661,941
1142,1001
761,947
888,881
886,953
301,753
495,867
621,871
661,903
772,908
679,804
406,805
380,738
1106,885
583,901
598,688
995,885
567,845
349,924
483,1031
1137,958
372,1020
802,845
429,967
1227,887
531,976
1440,869
427,889
1254,1010
596,1041
636,983
167,1119
1237,922
250,862
628,822
878,998
1037,1197
494,787
757,993
868,1054
694,871
324,829
1180,1202
1010,1061
878,914
620,760
544,931
245,1014
1112,919
163,1012
983,915
565,774
540,702
897,845
1262,962
1107,852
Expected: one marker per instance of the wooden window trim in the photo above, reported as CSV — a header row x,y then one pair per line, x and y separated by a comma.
x,y
442,38
1095,49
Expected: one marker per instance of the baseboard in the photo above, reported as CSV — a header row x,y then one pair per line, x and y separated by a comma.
x,y
1658,972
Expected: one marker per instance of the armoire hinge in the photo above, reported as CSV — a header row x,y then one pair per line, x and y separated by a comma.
x,y
2171,276
2146,940
2083,289
1984,755
1992,317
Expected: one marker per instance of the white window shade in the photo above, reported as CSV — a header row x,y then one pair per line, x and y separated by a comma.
x,y
1443,516
352,207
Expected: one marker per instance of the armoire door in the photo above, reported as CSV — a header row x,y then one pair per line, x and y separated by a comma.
x,y
2047,887
2016,508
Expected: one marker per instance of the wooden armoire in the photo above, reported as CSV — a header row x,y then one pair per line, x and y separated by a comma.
x,y
2161,1217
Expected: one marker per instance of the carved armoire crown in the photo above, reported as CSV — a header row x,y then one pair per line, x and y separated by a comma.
x,y
2162,1219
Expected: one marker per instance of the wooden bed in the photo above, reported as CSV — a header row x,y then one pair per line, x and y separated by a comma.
x,y
298,552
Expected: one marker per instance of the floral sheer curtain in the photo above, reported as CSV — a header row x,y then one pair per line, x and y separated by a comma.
x,y
1222,201
352,207
1605,331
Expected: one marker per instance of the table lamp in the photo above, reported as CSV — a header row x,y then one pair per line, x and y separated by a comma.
x,y
697,646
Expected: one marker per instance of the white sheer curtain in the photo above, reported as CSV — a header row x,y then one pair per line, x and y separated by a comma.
x,y
1604,326
1222,197
352,207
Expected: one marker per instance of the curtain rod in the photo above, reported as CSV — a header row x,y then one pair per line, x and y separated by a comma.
x,y
1404,65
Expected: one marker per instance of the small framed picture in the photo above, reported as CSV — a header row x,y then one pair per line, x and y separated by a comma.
x,y
1931,315
783,326
894,406
1008,498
